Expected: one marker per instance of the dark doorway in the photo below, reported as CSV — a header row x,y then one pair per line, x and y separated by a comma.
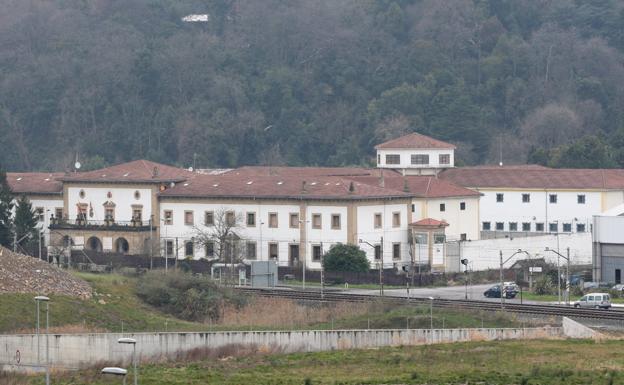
x,y
94,244
293,254
618,276
122,246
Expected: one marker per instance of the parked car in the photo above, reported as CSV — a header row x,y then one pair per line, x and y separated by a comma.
x,y
495,292
590,285
618,287
594,300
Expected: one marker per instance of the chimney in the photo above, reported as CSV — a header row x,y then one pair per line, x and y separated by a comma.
x,y
405,186
155,172
351,188
303,187
382,182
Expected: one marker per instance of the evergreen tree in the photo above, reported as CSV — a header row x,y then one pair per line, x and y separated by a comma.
x,y
25,222
6,207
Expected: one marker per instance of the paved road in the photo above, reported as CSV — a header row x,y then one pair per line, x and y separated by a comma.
x,y
475,292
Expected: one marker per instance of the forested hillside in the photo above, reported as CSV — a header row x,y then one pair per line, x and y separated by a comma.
x,y
309,82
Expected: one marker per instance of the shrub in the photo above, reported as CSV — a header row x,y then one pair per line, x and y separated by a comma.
x,y
346,258
185,296
543,285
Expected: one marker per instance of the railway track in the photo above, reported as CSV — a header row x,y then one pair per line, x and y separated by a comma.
x,y
548,310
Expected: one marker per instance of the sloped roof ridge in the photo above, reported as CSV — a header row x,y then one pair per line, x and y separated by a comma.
x,y
414,140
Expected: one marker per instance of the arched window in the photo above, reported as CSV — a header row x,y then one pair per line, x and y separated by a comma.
x,y
122,246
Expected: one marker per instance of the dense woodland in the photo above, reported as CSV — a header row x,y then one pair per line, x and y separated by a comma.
x,y
309,82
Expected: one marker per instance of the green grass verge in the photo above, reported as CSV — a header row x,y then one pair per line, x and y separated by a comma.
x,y
114,303
504,362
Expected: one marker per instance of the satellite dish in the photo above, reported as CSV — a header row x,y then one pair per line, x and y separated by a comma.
x,y
77,165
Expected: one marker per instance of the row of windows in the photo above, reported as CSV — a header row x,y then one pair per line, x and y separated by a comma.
x,y
273,250
553,227
250,219
462,206
417,159
294,222
552,198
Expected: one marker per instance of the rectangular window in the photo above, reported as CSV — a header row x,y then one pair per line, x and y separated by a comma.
x,y
513,226
109,214
396,251
209,218
294,220
168,216
251,250
188,218
526,226
316,221
58,213
396,219
552,198
378,159
500,197
553,227
378,220
377,252
210,249
444,159
40,214
335,221
273,251
462,205
580,199
169,248
500,226
393,159
230,218
526,198
462,237
251,219
413,207
316,253
439,238
567,227
487,226
539,227
580,227
273,220
189,249
420,159
442,207
137,214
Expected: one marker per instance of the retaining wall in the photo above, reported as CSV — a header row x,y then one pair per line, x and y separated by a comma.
x,y
68,351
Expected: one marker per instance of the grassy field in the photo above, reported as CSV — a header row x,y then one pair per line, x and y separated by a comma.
x,y
115,306
506,362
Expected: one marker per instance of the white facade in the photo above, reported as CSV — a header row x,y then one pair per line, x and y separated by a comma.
x,y
413,160
391,232
461,214
562,211
125,199
45,207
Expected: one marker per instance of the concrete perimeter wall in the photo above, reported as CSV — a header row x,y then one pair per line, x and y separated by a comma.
x,y
69,351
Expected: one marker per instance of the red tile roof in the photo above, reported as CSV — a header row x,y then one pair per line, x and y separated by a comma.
x,y
284,187
429,222
535,178
422,186
414,140
303,171
34,182
138,171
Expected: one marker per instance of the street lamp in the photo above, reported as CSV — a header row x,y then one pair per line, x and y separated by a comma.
x,y
381,290
431,314
567,258
131,341
465,263
41,298
116,372
502,297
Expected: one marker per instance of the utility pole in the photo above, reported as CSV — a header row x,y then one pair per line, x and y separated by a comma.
x,y
501,279
322,273
381,288
151,242
568,277
40,245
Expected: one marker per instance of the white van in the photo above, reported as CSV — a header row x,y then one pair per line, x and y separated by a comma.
x,y
594,300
